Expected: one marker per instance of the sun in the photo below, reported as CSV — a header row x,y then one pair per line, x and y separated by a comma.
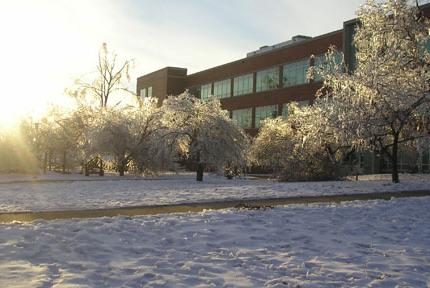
x,y
45,45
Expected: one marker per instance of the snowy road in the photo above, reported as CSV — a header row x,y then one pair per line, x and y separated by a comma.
x,y
355,244
42,196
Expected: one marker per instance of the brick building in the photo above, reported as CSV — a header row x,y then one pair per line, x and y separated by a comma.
x,y
257,86
261,84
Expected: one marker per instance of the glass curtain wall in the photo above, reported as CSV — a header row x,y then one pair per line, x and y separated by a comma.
x,y
222,89
264,112
243,85
205,91
295,73
243,117
267,79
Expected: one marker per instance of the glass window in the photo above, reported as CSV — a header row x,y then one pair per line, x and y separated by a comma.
x,y
205,91
320,61
300,104
303,103
243,117
222,89
264,112
150,91
195,91
426,46
267,79
243,85
295,73
143,92
285,110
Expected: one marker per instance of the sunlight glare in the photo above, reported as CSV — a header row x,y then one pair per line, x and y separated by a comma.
x,y
46,44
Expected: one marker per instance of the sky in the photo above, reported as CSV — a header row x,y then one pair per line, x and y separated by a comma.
x,y
46,44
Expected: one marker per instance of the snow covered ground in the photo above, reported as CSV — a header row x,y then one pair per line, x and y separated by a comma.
x,y
355,244
52,192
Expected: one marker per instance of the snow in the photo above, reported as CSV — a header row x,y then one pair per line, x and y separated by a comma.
x,y
355,244
53,192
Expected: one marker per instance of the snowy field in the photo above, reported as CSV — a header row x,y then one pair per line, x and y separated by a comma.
x,y
68,192
355,244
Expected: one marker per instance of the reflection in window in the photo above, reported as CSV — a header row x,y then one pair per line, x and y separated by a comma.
x,y
243,85
295,73
205,91
143,92
222,88
150,91
285,110
195,90
303,103
243,117
265,112
267,79
321,61
300,104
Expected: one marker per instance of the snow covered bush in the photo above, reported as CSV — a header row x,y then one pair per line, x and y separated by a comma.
x,y
204,133
130,137
55,138
384,102
297,149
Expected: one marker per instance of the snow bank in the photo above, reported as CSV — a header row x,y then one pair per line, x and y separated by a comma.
x,y
111,192
356,244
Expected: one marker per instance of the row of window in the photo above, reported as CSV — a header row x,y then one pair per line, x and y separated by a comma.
x,y
146,92
243,117
292,74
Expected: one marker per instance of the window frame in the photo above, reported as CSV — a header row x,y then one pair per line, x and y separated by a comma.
x,y
225,88
295,62
209,91
267,87
258,120
237,92
240,123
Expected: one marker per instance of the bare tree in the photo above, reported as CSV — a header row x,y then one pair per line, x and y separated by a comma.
x,y
111,77
111,80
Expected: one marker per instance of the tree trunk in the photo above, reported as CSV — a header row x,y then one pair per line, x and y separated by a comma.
x,y
121,169
102,171
64,162
86,171
45,162
394,169
200,168
50,160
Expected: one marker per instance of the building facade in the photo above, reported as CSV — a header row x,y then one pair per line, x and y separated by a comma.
x,y
252,88
264,82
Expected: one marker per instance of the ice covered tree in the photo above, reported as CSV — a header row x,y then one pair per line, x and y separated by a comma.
x,y
385,101
204,133
107,86
55,138
297,149
131,135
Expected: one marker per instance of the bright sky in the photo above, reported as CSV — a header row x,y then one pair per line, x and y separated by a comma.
x,y
45,44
